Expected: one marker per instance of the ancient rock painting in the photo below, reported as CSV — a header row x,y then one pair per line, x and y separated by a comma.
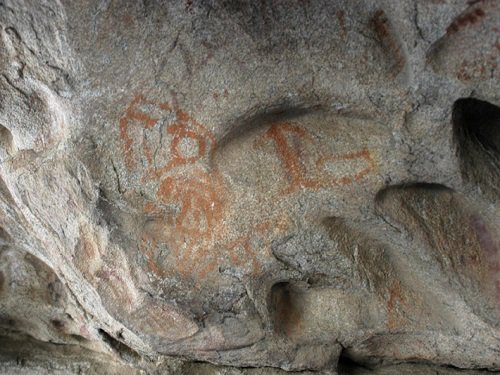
x,y
189,141
395,301
198,258
455,53
189,231
303,169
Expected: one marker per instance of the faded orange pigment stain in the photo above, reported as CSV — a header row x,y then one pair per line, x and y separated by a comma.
x,y
290,142
202,257
483,68
147,121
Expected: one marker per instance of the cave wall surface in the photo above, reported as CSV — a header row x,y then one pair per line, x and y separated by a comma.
x,y
207,187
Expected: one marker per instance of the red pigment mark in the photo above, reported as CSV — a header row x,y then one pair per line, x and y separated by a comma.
x,y
198,197
197,258
147,121
289,156
395,300
185,130
469,17
386,36
359,155
293,160
240,259
341,18
149,248
117,286
189,218
482,68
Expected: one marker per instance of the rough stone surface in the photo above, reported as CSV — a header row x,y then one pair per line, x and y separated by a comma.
x,y
287,185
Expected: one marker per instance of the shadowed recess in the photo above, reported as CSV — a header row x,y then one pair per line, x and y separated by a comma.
x,y
6,140
4,237
285,308
415,187
259,117
476,132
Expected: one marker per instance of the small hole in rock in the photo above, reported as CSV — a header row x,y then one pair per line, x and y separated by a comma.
x,y
285,309
478,121
122,349
59,324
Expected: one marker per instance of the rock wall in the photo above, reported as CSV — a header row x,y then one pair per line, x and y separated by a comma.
x,y
296,185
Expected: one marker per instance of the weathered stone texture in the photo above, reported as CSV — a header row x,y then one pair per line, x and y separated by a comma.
x,y
287,185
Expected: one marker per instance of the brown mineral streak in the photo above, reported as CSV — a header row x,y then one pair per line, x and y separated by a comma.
x,y
395,297
296,171
341,18
381,26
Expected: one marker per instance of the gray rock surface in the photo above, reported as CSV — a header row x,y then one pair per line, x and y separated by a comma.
x,y
287,185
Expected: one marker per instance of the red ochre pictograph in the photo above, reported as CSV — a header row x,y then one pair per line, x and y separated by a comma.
x,y
187,235
291,142
183,129
484,64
